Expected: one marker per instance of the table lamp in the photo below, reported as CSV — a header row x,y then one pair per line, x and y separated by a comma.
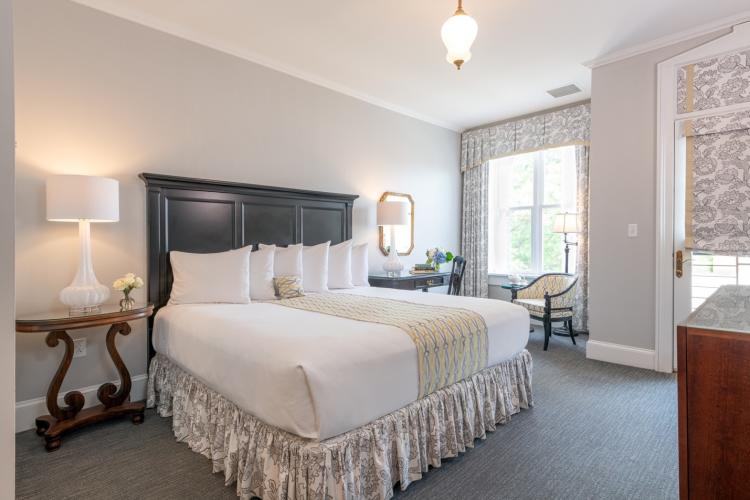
x,y
83,199
566,223
393,213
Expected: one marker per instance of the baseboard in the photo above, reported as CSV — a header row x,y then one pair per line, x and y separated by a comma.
x,y
621,354
27,411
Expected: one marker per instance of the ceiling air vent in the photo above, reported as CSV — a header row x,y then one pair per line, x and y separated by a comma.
x,y
563,91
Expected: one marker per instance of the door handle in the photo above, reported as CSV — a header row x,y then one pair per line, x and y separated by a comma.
x,y
679,261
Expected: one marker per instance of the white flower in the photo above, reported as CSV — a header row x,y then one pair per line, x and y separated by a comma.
x,y
127,282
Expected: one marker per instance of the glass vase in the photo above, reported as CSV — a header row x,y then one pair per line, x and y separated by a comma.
x,y
127,303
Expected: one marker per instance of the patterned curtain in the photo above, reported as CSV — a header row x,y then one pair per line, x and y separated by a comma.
x,y
581,309
717,187
474,231
562,127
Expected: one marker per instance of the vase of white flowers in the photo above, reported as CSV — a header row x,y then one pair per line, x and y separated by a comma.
x,y
127,284
437,256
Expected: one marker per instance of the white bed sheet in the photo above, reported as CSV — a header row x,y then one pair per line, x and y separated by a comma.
x,y
311,374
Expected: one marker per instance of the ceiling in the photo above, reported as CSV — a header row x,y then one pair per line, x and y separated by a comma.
x,y
389,52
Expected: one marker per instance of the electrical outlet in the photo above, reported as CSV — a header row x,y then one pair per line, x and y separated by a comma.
x,y
79,347
632,230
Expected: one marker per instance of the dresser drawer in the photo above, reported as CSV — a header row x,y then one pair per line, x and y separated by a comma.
x,y
430,281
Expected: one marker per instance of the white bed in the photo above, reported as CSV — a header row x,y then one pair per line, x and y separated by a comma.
x,y
311,374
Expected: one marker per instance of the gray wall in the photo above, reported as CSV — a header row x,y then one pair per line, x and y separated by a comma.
x,y
623,191
7,329
102,96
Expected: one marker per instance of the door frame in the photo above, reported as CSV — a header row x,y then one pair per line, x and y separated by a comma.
x,y
666,117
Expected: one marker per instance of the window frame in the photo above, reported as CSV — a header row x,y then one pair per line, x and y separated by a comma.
x,y
537,217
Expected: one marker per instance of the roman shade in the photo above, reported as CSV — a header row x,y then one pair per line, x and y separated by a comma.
x,y
717,183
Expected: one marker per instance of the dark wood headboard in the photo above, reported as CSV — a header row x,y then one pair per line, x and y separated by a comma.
x,y
202,216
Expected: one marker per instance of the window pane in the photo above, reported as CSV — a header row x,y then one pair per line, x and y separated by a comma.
x,y
560,183
553,251
521,181
552,179
520,240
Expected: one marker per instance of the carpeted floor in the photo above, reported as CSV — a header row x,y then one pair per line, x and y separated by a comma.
x,y
597,431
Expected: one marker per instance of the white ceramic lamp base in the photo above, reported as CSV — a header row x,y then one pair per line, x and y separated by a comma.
x,y
393,265
85,293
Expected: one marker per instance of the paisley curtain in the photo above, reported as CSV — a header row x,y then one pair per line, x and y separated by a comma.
x,y
562,127
474,231
581,308
717,196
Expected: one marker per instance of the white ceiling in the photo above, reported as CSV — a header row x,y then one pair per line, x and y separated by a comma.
x,y
389,52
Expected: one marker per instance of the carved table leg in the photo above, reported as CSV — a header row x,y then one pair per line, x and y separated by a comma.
x,y
74,399
108,393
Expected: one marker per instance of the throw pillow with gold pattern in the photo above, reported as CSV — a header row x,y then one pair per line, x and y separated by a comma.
x,y
288,287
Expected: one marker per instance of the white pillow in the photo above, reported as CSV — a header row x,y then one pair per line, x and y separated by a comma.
x,y
286,261
340,265
261,274
207,278
315,268
360,266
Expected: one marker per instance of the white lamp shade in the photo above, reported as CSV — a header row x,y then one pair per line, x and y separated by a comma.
x,y
458,33
393,213
73,198
565,223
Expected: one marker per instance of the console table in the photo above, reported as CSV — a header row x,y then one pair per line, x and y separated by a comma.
x,y
713,389
406,281
114,402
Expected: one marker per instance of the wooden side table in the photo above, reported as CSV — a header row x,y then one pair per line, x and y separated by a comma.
x,y
114,402
406,281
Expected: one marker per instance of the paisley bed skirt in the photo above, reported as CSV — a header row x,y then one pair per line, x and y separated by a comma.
x,y
364,463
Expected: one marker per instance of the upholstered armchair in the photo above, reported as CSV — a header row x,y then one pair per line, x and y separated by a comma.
x,y
549,298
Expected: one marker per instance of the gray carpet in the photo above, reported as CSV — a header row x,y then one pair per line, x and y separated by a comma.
x,y
597,431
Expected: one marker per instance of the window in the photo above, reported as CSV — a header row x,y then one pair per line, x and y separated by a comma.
x,y
526,191
710,271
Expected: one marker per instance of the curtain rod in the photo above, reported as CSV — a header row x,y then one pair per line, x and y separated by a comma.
x,y
529,115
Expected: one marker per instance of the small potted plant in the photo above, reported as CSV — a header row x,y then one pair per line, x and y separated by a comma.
x,y
437,256
127,284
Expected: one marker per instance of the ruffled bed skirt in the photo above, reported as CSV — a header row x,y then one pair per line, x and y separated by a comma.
x,y
364,463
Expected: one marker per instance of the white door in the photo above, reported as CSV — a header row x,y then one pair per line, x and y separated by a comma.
x,y
677,296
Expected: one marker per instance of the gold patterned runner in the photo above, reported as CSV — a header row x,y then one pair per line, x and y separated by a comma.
x,y
451,342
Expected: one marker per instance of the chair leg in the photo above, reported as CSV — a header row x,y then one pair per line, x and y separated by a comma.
x,y
569,323
547,332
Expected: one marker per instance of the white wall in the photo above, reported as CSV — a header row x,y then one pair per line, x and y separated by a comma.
x,y
623,190
100,95
7,328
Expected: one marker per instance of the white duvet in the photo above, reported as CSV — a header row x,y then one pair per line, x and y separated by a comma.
x,y
311,374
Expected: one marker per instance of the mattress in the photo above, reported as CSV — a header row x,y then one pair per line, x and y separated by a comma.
x,y
312,374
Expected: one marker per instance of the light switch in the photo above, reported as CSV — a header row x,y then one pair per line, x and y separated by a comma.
x,y
632,230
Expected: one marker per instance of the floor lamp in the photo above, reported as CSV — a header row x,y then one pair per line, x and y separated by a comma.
x,y
566,223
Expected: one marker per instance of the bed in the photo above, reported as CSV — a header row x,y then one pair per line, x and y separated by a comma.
x,y
292,403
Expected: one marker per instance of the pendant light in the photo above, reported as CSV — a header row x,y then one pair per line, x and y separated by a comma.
x,y
458,34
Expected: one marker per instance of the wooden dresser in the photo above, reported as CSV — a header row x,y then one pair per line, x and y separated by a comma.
x,y
713,349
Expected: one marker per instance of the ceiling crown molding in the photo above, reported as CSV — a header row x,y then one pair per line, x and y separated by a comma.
x,y
119,9
695,32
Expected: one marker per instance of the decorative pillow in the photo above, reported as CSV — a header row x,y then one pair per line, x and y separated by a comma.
x,y
286,261
288,287
315,268
261,274
360,265
340,265
207,278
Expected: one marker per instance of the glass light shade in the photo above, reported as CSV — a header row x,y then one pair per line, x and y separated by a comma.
x,y
565,223
458,33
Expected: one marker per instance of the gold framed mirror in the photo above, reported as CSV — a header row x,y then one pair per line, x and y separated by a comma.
x,y
404,234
